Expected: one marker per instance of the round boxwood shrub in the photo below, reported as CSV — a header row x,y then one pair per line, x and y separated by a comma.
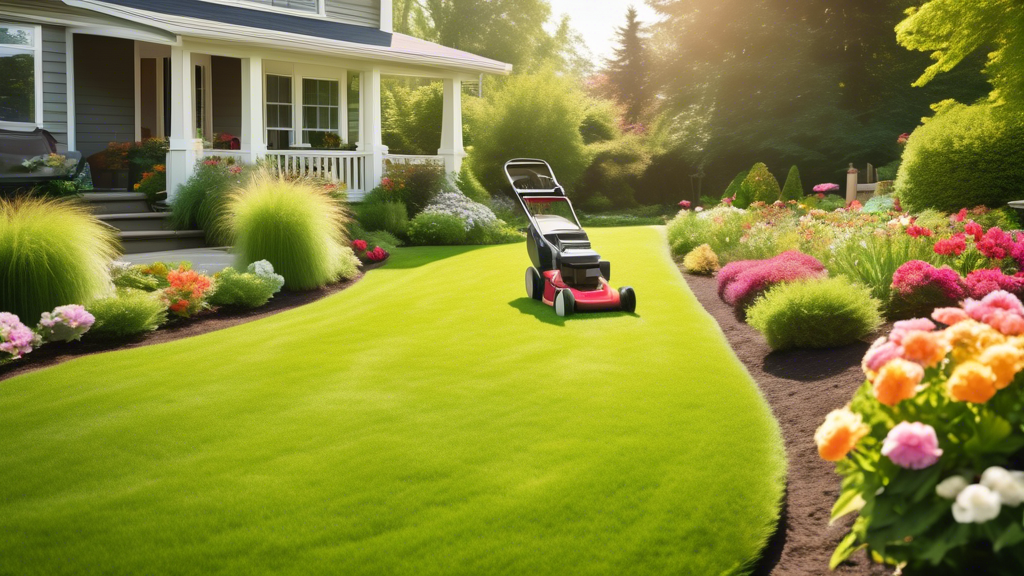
x,y
822,313
294,225
52,253
962,157
435,229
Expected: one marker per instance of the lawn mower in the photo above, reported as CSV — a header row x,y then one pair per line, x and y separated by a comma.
x,y
566,272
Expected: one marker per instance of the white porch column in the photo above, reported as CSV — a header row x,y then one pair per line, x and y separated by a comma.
x,y
371,133
452,150
181,155
254,143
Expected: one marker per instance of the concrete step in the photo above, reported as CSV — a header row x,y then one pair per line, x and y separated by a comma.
x,y
138,242
116,202
138,222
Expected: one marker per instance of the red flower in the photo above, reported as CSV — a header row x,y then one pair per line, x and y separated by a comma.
x,y
685,204
378,254
359,245
918,231
211,162
974,229
821,195
854,205
953,246
179,306
235,169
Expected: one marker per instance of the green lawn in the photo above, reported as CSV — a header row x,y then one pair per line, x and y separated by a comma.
x,y
429,420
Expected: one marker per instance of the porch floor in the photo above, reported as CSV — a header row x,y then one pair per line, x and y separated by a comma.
x,y
205,260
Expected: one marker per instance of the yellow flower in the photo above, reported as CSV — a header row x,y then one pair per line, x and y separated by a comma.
x,y
972,382
925,348
137,184
969,338
1005,360
839,434
897,381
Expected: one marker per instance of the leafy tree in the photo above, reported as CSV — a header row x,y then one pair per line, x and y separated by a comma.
x,y
794,188
627,71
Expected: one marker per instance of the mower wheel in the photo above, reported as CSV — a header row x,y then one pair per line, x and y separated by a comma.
x,y
534,284
627,299
565,303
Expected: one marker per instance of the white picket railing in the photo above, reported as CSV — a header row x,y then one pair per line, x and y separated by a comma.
x,y
412,159
340,166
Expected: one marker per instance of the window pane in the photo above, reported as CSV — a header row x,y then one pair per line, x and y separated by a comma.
x,y
308,91
272,89
309,117
285,88
17,85
17,35
325,92
334,118
286,116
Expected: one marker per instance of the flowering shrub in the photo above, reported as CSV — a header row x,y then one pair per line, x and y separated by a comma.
x,y
16,339
153,183
702,260
65,323
826,188
186,294
457,204
981,283
919,287
378,254
925,444
740,283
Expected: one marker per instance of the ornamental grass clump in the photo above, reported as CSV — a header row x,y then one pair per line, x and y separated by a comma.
x,y
740,283
929,448
822,313
53,253
295,226
701,260
129,312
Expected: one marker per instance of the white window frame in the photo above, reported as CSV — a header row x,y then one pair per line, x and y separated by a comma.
x,y
266,125
38,105
302,108
321,8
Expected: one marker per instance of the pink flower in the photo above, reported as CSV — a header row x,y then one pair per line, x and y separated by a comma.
x,y
960,216
903,138
980,283
826,188
16,339
881,353
739,283
953,246
918,231
359,245
685,204
950,316
1000,310
974,229
904,327
912,445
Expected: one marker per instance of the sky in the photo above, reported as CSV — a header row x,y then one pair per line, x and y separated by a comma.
x,y
597,20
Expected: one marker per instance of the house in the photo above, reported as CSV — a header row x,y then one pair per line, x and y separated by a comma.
x,y
293,81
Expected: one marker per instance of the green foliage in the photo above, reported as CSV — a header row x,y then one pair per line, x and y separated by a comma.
x,y
600,122
389,216
241,289
737,183
794,188
468,184
815,314
639,216
348,264
295,226
432,229
385,240
720,228
127,313
831,202
531,116
879,205
53,253
496,233
615,171
200,203
872,260
127,276
759,186
889,171
414,184
963,157
628,71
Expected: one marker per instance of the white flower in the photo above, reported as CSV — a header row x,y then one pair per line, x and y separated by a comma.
x,y
951,487
265,270
976,504
1008,485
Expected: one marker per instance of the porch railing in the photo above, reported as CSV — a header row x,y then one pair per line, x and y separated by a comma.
x,y
339,166
412,159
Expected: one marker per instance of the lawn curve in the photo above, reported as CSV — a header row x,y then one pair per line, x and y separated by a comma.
x,y
429,420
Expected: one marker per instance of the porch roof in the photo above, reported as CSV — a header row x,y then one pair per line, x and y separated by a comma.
x,y
196,18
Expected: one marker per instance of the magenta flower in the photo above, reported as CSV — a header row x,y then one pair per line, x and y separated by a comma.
x,y
1000,310
912,445
981,283
65,323
685,204
16,339
826,188
740,283
953,246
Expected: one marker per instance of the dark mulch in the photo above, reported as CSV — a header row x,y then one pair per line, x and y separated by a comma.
x,y
53,354
802,386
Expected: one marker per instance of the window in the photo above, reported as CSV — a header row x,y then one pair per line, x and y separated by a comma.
x,y
280,114
20,84
298,6
320,111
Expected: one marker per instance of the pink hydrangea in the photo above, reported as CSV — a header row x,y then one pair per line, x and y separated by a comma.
x,y
16,339
912,445
739,283
65,323
980,283
1000,310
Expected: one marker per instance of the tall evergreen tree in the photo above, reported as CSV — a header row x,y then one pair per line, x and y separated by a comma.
x,y
627,72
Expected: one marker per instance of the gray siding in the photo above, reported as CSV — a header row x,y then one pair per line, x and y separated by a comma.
x,y
227,96
359,12
105,92
55,83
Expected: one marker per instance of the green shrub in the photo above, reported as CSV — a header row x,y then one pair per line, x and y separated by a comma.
x,y
468,184
831,203
879,205
295,226
600,122
530,116
1004,218
124,275
387,216
734,187
889,171
384,239
496,233
615,171
932,219
701,260
414,184
964,156
432,229
758,186
815,314
241,289
201,202
721,228
52,253
127,313
794,188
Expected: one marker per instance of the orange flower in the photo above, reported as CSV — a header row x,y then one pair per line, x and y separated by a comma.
x,y
160,168
137,185
897,381
1005,360
925,348
972,382
839,434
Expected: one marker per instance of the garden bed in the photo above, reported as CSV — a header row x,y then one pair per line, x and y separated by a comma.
x,y
209,321
802,386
